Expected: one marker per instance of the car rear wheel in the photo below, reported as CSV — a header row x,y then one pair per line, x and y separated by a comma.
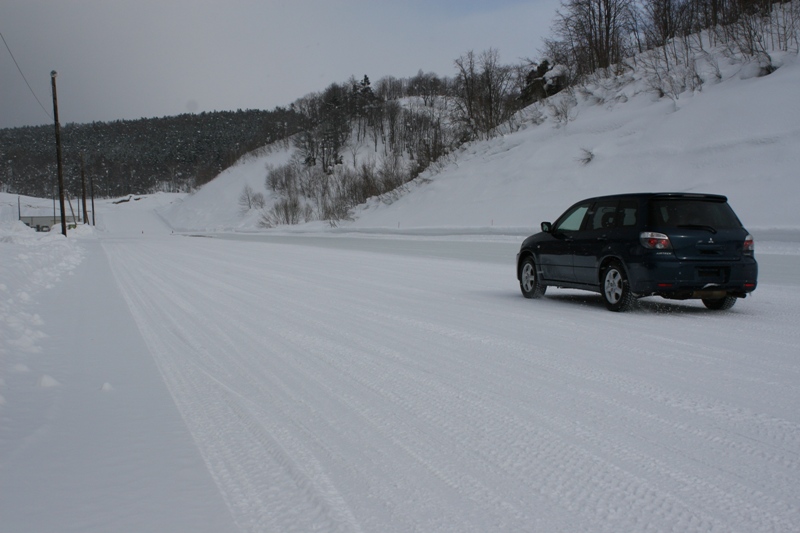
x,y
616,289
720,304
529,282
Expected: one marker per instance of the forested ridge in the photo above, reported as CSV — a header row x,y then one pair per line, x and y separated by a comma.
x,y
138,156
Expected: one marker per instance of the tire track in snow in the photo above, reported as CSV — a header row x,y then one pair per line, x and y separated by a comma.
x,y
376,397
595,474
752,501
689,479
245,458
322,344
743,448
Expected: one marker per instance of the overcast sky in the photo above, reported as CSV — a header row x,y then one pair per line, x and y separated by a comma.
x,y
127,59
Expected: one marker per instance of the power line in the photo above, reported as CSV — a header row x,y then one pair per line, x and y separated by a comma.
x,y
24,78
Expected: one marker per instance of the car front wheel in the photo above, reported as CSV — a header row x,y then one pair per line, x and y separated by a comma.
x,y
529,282
616,289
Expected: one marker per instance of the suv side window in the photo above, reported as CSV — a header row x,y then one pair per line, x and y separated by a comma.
x,y
605,215
573,219
629,213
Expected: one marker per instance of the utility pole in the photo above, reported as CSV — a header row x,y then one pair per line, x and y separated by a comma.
x,y
91,184
83,187
69,201
53,75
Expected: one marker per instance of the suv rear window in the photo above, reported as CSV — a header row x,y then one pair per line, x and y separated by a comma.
x,y
691,213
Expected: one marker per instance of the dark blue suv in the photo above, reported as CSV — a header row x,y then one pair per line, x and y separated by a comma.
x,y
674,245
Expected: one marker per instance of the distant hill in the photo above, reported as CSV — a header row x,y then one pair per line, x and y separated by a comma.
x,y
138,156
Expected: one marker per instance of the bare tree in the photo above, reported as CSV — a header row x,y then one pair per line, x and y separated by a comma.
x,y
246,199
285,211
485,96
426,86
594,32
563,107
258,200
663,21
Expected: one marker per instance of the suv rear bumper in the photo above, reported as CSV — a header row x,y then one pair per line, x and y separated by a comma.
x,y
693,279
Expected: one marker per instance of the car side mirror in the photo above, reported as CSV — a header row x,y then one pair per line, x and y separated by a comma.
x,y
547,227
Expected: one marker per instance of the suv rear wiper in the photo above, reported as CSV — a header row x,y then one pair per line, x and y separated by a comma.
x,y
699,226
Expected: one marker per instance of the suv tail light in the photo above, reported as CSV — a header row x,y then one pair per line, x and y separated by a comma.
x,y
749,245
654,241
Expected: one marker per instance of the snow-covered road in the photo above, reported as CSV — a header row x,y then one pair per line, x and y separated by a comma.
x,y
329,388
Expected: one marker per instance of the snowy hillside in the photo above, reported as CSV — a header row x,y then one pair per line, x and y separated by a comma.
x,y
215,206
739,136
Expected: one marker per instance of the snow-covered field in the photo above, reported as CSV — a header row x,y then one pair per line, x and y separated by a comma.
x,y
387,376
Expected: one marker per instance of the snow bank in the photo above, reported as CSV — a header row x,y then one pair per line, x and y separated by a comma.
x,y
30,262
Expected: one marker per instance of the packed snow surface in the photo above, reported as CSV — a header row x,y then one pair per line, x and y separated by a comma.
x,y
161,382
175,369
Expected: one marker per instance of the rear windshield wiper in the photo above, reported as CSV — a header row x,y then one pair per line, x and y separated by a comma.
x,y
699,226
